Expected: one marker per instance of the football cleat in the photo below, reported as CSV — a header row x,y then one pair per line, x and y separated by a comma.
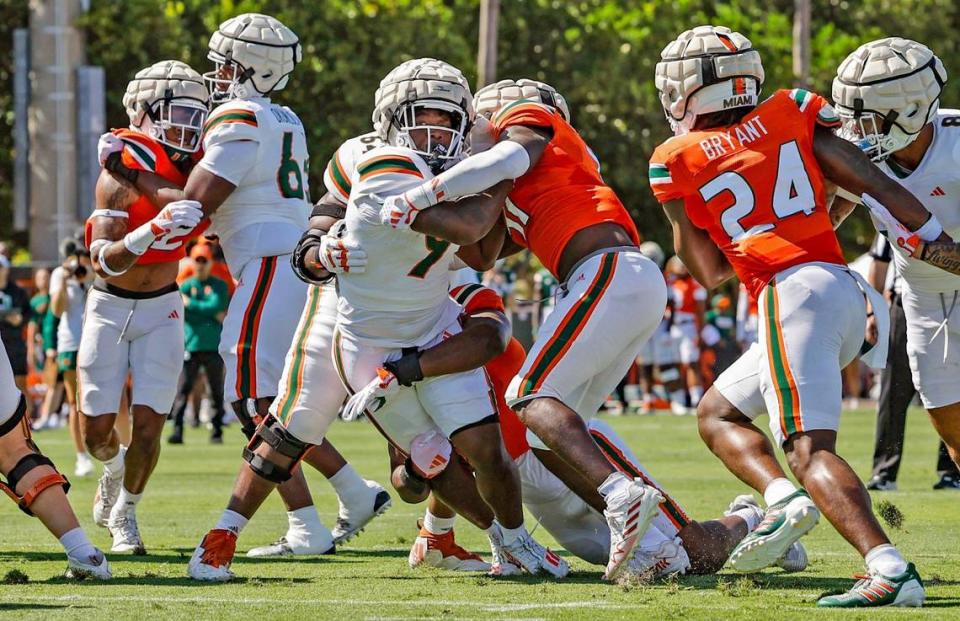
x,y
875,589
879,484
501,565
948,481
211,560
794,560
628,516
84,466
108,490
285,547
668,559
442,552
94,566
126,534
526,553
351,520
783,524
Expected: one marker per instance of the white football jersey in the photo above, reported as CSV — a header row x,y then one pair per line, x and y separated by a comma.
x,y
401,299
269,210
936,184
340,168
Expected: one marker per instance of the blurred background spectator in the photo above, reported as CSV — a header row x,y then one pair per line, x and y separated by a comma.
x,y
205,299
14,315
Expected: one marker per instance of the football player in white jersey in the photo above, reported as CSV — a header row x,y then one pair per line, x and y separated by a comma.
x,y
252,183
32,481
888,94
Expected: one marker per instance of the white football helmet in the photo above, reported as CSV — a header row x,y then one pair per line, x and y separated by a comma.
x,y
261,51
707,69
885,92
424,84
654,252
492,97
169,102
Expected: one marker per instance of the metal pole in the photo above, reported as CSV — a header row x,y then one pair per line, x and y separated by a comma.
x,y
487,52
801,42
21,134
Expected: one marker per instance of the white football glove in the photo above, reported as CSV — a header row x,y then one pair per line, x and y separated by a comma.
x,y
179,217
909,241
108,143
339,256
398,212
371,397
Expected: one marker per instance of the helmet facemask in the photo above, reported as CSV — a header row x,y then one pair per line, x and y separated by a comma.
x,y
878,136
237,86
175,122
438,155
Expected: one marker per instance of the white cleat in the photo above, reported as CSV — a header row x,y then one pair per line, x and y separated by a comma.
x,y
668,559
533,558
126,534
94,566
351,520
782,525
84,466
291,547
108,490
501,565
212,558
795,558
628,516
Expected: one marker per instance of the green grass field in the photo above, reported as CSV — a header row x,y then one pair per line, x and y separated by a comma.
x,y
369,577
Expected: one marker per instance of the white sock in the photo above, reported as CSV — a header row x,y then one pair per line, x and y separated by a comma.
x,y
615,485
304,521
886,559
679,397
749,515
652,539
114,466
696,393
438,525
83,455
512,534
126,502
76,544
777,490
350,486
232,521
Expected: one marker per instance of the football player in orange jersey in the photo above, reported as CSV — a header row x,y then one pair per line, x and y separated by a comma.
x,y
743,184
613,297
134,315
674,544
691,305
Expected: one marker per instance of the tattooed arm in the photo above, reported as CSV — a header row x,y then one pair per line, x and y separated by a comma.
x,y
945,255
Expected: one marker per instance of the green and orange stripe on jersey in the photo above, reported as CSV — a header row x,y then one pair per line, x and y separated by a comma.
x,y
784,384
294,383
570,327
388,164
670,509
246,385
140,151
231,116
518,107
340,178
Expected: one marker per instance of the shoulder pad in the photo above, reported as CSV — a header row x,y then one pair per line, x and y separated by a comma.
x,y
475,298
140,152
229,122
339,171
389,164
524,112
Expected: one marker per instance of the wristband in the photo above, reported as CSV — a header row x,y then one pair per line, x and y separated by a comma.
x,y
103,261
139,240
310,239
406,369
114,164
931,229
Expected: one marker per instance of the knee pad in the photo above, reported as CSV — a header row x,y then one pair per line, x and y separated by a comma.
x,y
25,465
273,434
246,411
429,454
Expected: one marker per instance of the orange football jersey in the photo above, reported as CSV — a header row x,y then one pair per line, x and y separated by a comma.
x,y
500,370
562,193
141,152
755,187
686,293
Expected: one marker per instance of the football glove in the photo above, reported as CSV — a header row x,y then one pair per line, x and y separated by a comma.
x,y
339,256
398,212
371,397
900,235
178,218
107,144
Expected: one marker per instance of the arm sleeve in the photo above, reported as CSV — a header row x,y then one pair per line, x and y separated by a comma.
x,y
505,160
231,160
